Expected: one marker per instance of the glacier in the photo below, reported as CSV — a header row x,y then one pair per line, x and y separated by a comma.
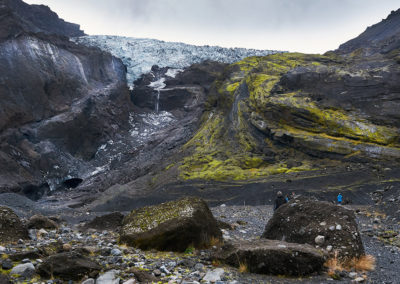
x,y
140,54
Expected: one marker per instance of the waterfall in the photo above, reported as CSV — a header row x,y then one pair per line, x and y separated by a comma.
x,y
158,101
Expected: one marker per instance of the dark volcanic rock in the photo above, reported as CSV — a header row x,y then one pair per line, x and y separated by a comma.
x,y
4,279
68,266
174,226
60,101
41,222
39,18
303,220
181,91
382,37
11,227
111,221
272,257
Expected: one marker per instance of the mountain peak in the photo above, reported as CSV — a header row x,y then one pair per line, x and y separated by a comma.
x,y
382,37
33,18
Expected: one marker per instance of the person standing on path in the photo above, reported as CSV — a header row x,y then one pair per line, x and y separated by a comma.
x,y
280,200
339,199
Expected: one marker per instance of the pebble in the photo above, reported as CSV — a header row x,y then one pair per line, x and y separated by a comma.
x,y
116,252
319,240
214,275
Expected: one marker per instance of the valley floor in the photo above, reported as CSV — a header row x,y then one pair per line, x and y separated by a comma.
x,y
246,222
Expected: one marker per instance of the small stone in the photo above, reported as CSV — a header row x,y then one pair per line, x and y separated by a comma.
x,y
329,248
88,281
322,223
26,260
353,275
2,249
20,242
163,269
67,247
110,277
332,228
199,267
116,252
7,264
359,280
319,240
338,227
25,270
157,272
214,275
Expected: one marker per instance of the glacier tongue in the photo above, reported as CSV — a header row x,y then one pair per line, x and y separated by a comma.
x,y
139,55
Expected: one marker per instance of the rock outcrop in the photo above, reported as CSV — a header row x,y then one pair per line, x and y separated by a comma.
x,y
68,266
38,18
272,257
60,101
173,226
317,223
11,227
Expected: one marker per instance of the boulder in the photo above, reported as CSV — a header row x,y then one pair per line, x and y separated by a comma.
x,y
272,257
41,222
111,221
110,277
172,226
303,220
11,227
24,270
68,266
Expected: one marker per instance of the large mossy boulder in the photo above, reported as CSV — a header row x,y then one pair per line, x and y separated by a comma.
x,y
317,223
68,266
41,222
11,227
272,257
171,226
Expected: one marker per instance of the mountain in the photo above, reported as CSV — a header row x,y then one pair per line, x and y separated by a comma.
x,y
228,129
59,100
34,18
139,55
383,37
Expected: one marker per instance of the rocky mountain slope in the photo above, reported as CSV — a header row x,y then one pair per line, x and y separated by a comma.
x,y
59,101
140,54
38,18
233,133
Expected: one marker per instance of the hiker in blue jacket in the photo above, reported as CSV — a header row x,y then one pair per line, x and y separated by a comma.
x,y
339,198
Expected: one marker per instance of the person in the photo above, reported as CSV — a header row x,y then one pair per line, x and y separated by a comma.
x,y
287,198
339,198
293,195
280,200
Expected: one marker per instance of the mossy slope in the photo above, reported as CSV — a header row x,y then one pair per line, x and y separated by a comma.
x,y
262,105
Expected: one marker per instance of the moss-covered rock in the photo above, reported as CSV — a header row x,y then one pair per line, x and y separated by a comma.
x,y
11,227
323,106
172,226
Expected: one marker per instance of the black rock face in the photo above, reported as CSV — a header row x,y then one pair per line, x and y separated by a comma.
x,y
59,100
39,18
382,37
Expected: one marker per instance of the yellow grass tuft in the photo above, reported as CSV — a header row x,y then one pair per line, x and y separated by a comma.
x,y
215,242
364,263
243,268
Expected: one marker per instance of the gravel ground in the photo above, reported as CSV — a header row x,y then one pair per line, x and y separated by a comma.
x,y
248,222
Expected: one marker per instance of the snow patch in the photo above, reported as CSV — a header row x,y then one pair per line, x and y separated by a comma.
x,y
173,72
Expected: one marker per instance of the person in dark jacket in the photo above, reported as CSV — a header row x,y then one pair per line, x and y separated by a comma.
x,y
280,200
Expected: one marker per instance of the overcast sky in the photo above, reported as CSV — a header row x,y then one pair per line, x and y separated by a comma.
x,y
312,26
